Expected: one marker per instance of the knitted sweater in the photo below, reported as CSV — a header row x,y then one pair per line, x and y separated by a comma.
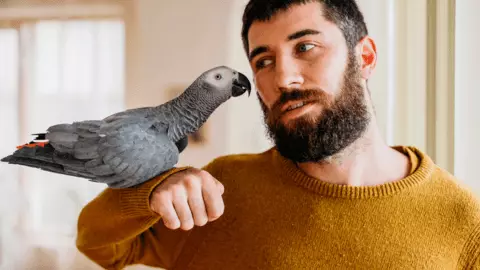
x,y
277,217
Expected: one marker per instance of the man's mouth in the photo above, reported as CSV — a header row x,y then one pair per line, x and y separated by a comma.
x,y
293,105
296,105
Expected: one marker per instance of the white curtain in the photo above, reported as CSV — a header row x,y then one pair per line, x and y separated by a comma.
x,y
9,134
467,92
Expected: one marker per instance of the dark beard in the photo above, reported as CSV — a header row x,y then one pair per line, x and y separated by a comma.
x,y
343,120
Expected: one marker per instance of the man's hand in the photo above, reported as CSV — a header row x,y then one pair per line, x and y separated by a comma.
x,y
188,198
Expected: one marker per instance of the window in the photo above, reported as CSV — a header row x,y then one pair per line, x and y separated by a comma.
x,y
76,73
53,71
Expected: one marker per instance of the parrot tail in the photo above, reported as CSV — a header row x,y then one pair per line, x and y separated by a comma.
x,y
42,155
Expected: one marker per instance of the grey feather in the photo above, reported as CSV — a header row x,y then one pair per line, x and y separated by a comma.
x,y
63,137
62,128
61,147
128,148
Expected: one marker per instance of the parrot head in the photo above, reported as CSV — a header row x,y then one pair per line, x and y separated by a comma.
x,y
225,82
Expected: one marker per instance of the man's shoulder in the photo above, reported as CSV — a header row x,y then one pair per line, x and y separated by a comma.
x,y
457,196
453,183
453,186
463,206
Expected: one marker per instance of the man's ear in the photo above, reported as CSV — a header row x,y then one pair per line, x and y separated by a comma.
x,y
368,52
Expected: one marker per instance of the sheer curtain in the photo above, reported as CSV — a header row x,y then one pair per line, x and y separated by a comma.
x,y
9,134
467,94
70,70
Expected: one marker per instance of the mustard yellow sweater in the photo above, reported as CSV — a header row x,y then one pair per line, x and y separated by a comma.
x,y
276,217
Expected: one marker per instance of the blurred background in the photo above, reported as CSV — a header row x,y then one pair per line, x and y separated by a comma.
x,y
68,60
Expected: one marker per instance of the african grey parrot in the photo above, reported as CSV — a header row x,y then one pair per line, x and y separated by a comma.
x,y
133,146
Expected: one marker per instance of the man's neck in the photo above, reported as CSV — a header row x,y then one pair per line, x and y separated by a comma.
x,y
367,162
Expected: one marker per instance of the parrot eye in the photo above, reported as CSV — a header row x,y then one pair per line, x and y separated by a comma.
x,y
218,77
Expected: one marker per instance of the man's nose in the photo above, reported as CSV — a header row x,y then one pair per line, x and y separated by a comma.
x,y
287,73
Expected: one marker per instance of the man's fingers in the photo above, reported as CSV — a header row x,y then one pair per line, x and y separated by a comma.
x,y
167,212
180,203
212,196
197,206
220,187
195,201
187,199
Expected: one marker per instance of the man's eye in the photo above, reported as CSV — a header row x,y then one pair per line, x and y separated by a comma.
x,y
305,47
263,63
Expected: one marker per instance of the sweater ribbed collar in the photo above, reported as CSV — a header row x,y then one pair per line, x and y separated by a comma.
x,y
422,169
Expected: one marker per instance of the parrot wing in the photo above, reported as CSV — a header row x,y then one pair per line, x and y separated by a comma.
x,y
134,152
122,153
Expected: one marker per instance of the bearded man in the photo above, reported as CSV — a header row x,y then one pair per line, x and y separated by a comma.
x,y
330,194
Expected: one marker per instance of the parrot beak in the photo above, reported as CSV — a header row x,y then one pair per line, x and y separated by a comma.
x,y
241,84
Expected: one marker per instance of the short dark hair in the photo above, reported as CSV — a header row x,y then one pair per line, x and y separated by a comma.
x,y
344,13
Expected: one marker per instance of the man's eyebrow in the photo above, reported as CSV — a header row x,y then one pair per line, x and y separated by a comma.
x,y
258,50
261,49
302,33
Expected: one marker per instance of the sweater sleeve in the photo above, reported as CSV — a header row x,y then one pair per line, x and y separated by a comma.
x,y
118,228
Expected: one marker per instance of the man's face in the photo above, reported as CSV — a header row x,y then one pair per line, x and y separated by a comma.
x,y
309,84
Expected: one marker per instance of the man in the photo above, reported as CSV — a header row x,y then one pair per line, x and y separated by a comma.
x,y
330,194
